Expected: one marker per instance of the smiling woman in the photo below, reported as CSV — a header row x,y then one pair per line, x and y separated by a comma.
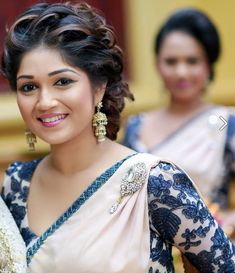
x,y
55,95
89,193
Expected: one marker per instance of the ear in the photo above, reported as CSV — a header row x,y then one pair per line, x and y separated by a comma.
x,y
99,93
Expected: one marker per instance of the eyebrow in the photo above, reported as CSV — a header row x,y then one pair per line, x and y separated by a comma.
x,y
49,74
25,77
61,71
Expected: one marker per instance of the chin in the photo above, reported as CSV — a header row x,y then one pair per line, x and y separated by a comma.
x,y
54,140
184,95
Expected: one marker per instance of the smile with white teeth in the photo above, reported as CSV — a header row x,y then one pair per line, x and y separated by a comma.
x,y
53,119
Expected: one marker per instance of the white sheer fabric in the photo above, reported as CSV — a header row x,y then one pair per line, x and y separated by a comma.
x,y
12,247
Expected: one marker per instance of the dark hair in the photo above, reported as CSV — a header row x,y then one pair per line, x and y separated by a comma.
x,y
199,26
83,38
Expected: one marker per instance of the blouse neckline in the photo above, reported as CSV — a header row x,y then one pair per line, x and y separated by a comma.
x,y
74,207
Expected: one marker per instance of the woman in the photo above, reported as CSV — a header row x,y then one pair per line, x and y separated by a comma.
x,y
12,247
91,195
189,130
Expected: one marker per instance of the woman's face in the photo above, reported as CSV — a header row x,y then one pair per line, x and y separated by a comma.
x,y
183,66
56,100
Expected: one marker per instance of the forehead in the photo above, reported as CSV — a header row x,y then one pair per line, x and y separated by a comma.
x,y
180,43
41,60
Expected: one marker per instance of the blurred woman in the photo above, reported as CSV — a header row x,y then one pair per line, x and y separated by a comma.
x,y
189,130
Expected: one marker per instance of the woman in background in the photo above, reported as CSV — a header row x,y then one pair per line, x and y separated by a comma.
x,y
91,196
189,130
12,247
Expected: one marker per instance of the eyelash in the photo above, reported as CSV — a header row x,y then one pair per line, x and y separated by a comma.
x,y
29,87
25,86
68,81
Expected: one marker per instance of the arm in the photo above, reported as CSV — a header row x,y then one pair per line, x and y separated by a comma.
x,y
180,217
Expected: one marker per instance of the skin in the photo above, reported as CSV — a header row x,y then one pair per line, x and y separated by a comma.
x,y
183,66
55,88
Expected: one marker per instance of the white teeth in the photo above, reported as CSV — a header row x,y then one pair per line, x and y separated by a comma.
x,y
53,119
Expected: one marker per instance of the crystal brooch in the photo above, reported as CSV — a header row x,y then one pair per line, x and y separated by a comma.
x,y
131,182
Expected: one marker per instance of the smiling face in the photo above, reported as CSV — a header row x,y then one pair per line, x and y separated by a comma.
x,y
183,66
56,100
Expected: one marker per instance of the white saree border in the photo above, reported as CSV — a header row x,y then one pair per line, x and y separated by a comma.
x,y
95,240
12,247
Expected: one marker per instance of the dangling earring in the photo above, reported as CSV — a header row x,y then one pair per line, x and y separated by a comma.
x,y
30,140
99,122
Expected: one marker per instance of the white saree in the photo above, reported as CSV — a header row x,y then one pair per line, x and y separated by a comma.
x,y
125,221
96,239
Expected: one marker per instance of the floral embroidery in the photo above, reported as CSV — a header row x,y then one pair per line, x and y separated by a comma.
x,y
177,216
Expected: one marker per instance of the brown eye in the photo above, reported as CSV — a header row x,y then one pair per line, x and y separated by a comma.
x,y
64,82
28,87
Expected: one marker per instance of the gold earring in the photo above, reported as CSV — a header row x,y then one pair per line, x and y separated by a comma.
x,y
99,122
30,140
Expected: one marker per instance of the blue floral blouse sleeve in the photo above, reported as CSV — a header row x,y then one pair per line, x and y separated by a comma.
x,y
179,217
229,162
132,132
230,145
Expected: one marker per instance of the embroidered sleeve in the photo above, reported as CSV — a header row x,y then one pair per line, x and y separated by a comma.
x,y
15,192
230,146
229,159
132,132
179,216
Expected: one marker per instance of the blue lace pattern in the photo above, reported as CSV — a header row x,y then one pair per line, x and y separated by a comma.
x,y
177,217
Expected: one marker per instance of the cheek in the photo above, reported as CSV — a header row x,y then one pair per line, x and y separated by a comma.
x,y
80,100
166,73
202,72
24,107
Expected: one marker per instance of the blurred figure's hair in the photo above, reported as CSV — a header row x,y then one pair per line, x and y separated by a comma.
x,y
196,24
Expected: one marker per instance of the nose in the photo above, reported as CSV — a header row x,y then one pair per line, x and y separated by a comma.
x,y
182,70
46,100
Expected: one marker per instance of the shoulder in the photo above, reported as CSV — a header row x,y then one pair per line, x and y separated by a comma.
x,y
17,176
134,120
131,131
166,178
24,169
230,138
231,124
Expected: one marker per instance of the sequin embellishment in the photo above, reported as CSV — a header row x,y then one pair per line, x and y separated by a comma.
x,y
6,263
132,182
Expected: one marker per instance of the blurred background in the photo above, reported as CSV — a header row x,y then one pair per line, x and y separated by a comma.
x,y
136,23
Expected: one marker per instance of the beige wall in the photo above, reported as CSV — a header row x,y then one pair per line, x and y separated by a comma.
x,y
145,17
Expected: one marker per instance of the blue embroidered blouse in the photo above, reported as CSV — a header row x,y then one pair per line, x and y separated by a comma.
x,y
177,216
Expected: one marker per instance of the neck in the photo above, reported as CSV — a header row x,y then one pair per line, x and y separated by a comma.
x,y
183,108
76,155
